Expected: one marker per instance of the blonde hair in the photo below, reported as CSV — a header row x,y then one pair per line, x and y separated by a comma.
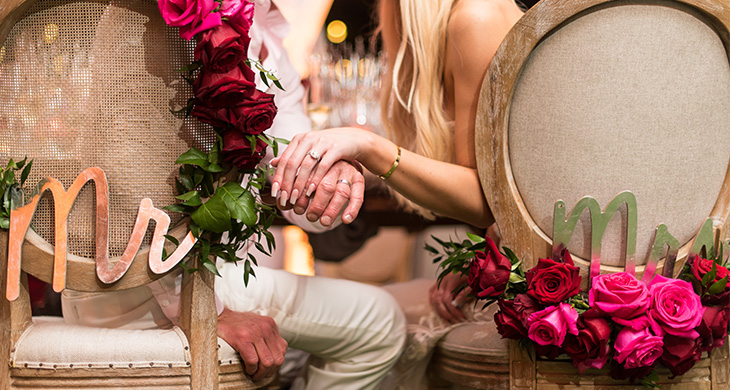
x,y
413,94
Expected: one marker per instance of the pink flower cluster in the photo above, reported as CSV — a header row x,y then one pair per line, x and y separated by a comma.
x,y
627,323
225,89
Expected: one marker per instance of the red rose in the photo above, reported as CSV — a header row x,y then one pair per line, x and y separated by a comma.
x,y
700,267
489,272
237,150
590,347
713,328
255,114
221,90
222,48
216,117
511,319
551,282
680,353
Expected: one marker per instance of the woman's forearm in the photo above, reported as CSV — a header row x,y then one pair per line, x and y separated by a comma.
x,y
447,189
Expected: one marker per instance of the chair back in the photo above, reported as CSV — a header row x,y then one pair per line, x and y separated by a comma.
x,y
597,98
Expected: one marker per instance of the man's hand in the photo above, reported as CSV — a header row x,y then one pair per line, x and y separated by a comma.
x,y
257,340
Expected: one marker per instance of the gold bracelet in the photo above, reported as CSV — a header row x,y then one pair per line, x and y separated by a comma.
x,y
392,169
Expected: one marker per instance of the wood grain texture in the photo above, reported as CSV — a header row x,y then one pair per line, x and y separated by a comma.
x,y
519,231
199,321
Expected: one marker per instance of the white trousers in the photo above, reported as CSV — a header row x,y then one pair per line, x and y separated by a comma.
x,y
356,332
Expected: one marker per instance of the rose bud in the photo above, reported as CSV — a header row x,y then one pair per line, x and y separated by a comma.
x,y
489,272
589,348
551,282
713,328
680,354
237,150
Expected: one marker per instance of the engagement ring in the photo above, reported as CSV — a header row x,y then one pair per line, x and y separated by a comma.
x,y
314,154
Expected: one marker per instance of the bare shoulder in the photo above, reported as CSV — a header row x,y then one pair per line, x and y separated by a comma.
x,y
482,19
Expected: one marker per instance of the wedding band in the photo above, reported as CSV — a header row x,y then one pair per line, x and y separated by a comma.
x,y
314,154
344,181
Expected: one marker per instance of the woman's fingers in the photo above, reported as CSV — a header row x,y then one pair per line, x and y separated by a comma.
x,y
357,196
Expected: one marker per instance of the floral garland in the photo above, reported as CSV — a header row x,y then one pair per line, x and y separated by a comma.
x,y
624,323
225,97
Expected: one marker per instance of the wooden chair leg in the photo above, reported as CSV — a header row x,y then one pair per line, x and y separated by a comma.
x,y
719,367
521,367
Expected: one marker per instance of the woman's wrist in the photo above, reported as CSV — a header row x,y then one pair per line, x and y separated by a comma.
x,y
380,156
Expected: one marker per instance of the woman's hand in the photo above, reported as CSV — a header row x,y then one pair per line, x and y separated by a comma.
x,y
446,304
309,157
343,187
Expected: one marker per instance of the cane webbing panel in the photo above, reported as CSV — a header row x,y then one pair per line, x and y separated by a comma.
x,y
630,97
87,84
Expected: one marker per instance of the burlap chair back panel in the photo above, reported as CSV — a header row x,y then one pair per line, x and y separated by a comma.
x,y
93,83
631,97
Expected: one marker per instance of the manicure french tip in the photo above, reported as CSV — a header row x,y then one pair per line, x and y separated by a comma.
x,y
310,190
275,189
283,198
294,197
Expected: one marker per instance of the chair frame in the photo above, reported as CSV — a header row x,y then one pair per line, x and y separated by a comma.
x,y
519,230
198,320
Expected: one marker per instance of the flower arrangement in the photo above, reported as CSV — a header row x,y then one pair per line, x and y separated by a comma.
x,y
11,188
225,97
620,322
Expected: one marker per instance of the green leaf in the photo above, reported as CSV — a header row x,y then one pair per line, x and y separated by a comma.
x,y
191,198
474,237
176,208
16,196
213,215
20,164
194,229
516,265
194,157
240,203
263,78
187,182
278,85
514,278
172,239
26,172
718,286
710,276
12,164
214,168
246,272
4,223
510,255
204,250
697,286
210,266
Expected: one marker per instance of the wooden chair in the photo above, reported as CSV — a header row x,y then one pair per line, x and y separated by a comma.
x,y
593,98
92,84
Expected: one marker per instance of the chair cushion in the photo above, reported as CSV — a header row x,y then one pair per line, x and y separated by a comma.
x,y
50,343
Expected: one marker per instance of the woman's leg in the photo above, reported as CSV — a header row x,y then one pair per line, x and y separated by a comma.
x,y
355,331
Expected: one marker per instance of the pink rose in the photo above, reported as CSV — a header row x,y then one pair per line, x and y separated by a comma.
x,y
220,90
238,12
192,16
549,326
589,348
619,295
675,308
221,49
637,348
713,328
512,317
237,150
680,354
254,114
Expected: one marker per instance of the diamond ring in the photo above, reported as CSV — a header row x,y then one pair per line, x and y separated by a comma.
x,y
315,154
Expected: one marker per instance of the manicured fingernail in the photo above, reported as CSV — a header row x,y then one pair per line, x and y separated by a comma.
x,y
326,221
299,210
347,218
311,217
294,196
310,190
283,198
275,189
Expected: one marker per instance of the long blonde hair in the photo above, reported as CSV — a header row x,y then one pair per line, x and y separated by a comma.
x,y
413,94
